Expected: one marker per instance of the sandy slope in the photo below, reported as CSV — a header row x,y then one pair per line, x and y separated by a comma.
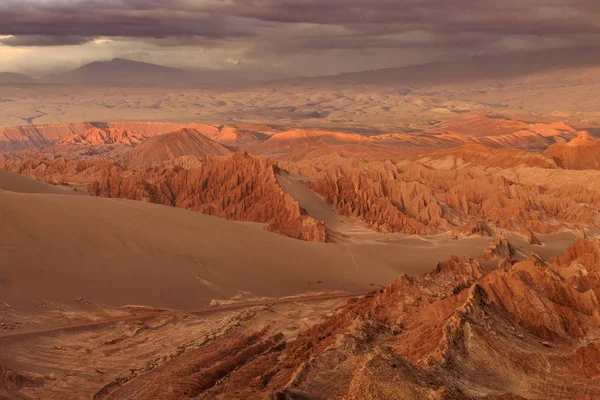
x,y
21,184
118,252
318,208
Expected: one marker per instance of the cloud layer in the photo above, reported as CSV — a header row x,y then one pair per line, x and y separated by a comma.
x,y
279,32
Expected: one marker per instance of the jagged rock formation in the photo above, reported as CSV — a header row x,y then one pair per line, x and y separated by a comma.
x,y
473,228
99,137
366,177
383,204
240,188
76,173
502,250
430,195
522,194
459,332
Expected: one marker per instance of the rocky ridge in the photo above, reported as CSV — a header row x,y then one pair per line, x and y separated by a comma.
x,y
460,332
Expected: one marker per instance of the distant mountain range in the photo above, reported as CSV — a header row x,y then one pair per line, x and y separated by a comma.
x,y
128,73
123,72
474,68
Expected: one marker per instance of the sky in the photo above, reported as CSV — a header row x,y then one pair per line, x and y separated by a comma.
x,y
290,37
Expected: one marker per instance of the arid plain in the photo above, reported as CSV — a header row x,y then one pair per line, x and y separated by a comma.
x,y
338,237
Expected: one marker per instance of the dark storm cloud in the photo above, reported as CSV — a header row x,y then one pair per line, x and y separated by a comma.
x,y
41,40
119,18
487,16
299,25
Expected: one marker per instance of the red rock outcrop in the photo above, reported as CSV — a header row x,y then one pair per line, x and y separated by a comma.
x,y
502,250
480,155
459,332
471,130
30,136
36,136
241,188
293,140
384,205
526,191
77,173
98,137
365,177
502,132
236,137
473,228
580,153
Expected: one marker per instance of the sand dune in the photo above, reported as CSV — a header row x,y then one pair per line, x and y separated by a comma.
x,y
318,208
20,184
124,252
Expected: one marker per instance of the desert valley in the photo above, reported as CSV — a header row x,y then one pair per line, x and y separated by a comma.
x,y
429,231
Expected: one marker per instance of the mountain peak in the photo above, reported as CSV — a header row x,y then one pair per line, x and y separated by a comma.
x,y
127,63
121,71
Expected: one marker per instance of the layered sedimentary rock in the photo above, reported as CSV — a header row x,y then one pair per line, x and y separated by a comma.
x,y
471,130
477,155
462,331
37,136
294,140
235,137
99,137
30,136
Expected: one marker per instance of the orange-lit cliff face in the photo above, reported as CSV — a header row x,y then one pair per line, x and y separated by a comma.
x,y
241,187
461,331
422,184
